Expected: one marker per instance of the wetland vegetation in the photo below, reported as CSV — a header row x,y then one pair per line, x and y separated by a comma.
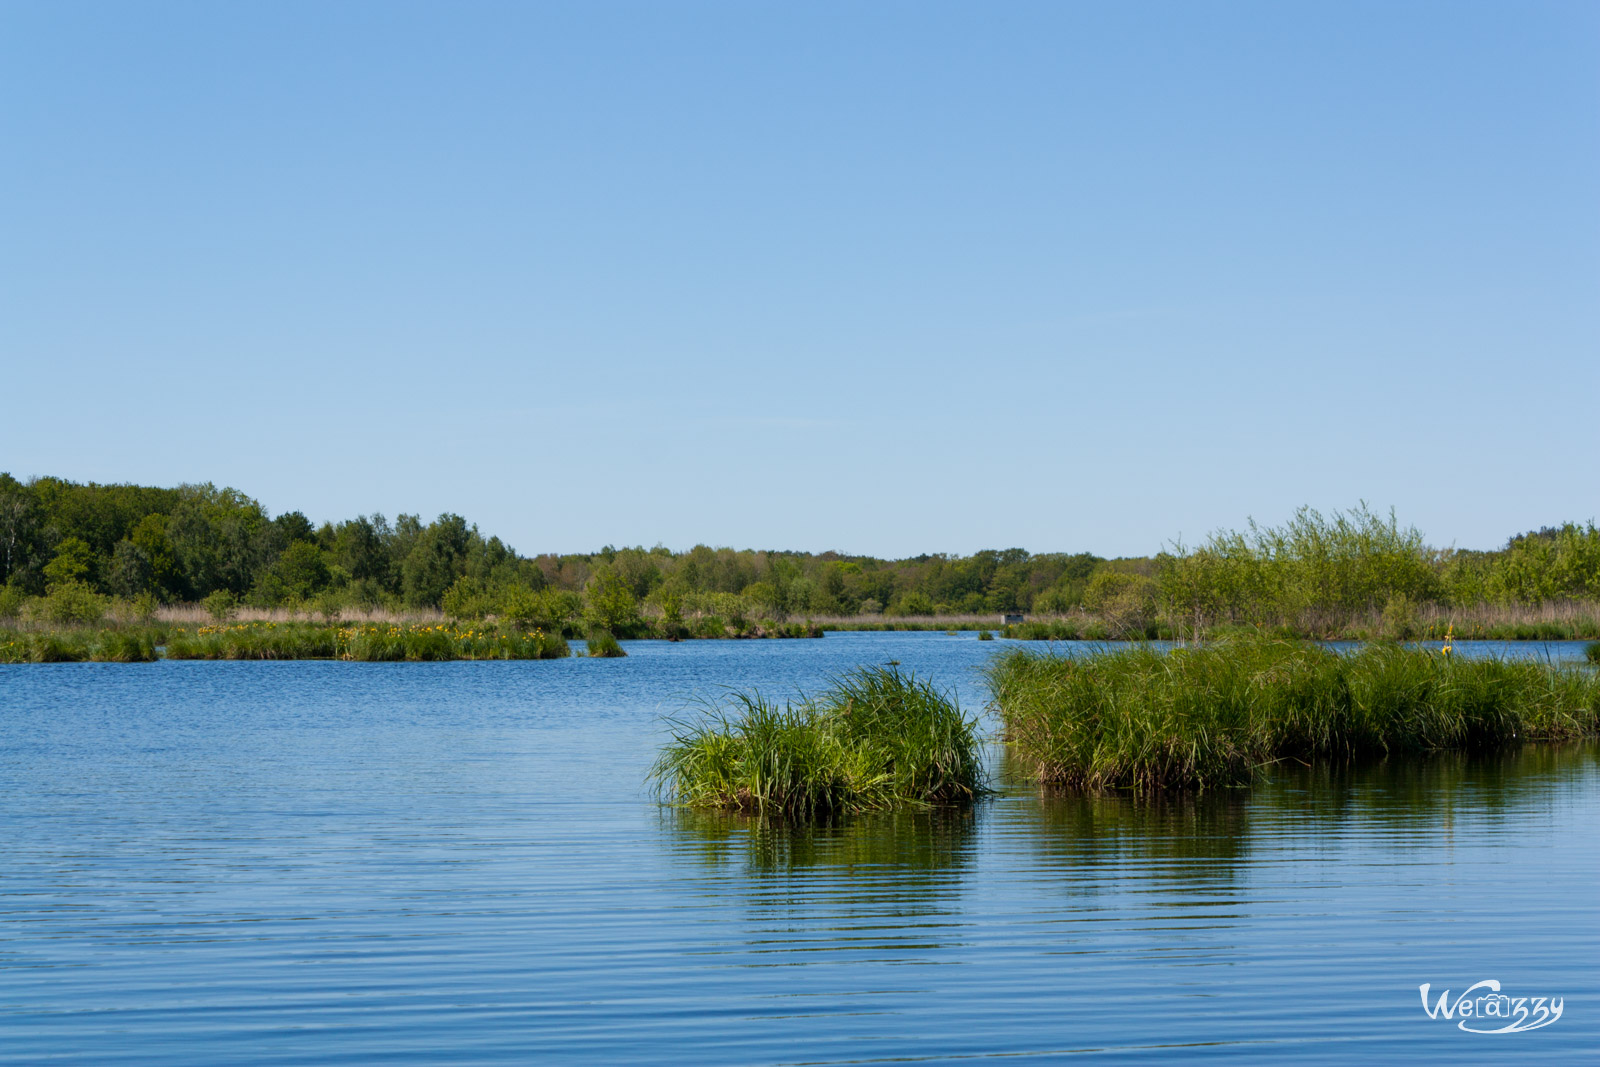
x,y
1221,714
876,740
75,554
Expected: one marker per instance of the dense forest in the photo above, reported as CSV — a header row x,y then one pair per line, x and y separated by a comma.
x,y
76,542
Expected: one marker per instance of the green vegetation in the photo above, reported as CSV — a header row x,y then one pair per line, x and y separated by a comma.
x,y
1358,574
371,643
72,554
1220,714
603,645
876,740
1591,651
77,646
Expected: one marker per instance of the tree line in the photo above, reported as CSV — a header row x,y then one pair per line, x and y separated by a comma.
x,y
193,542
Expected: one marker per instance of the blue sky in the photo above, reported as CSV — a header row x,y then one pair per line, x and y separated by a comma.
x,y
886,277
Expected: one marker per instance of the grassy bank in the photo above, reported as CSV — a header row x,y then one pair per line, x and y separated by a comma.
x,y
1221,714
877,740
1566,622
78,646
369,643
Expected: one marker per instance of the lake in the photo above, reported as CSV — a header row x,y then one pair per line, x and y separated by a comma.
x,y
322,862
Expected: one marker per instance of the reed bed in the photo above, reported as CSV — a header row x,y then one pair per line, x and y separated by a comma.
x,y
1220,715
77,646
200,615
391,643
876,740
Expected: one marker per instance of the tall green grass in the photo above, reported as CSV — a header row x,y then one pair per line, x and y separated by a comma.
x,y
603,645
876,740
382,643
76,646
1141,719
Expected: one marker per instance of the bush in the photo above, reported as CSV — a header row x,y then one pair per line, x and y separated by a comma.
x,y
12,598
220,605
1126,602
912,603
73,603
1400,618
611,606
467,600
710,626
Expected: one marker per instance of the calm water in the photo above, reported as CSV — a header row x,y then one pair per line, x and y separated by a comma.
x,y
459,863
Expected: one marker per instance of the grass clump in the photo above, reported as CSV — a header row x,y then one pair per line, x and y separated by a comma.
x,y
877,740
602,645
1591,651
1221,714
123,646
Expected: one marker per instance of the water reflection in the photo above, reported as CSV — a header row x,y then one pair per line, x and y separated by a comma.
x,y
1430,792
1181,841
919,847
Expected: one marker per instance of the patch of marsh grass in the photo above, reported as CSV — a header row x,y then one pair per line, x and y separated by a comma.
x,y
602,645
876,740
76,646
1138,718
371,642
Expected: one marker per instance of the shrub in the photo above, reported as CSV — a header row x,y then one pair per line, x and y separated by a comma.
x,y
73,603
710,626
1126,602
913,603
220,605
1400,618
611,606
467,599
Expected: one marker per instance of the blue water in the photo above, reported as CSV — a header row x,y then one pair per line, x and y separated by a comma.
x,y
461,863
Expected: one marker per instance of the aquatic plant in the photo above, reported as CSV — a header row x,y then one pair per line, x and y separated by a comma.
x,y
602,645
371,642
1591,651
123,646
1139,718
46,647
877,739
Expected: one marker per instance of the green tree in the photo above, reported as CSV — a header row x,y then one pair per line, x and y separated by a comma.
x,y
436,560
302,570
73,562
611,605
131,573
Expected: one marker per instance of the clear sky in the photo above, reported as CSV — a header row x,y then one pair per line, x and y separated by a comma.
x,y
880,277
